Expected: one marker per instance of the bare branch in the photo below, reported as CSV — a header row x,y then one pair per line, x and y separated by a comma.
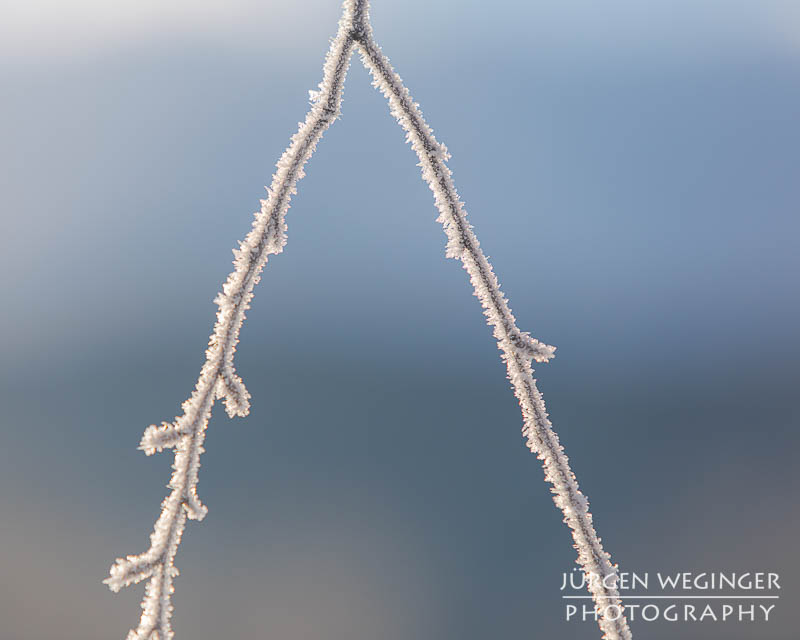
x,y
218,379
517,348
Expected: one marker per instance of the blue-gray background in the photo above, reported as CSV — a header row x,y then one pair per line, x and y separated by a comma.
x,y
632,169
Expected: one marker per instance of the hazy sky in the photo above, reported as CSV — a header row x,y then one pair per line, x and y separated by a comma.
x,y
43,29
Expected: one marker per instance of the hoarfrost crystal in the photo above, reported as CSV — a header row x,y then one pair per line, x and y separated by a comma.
x,y
218,379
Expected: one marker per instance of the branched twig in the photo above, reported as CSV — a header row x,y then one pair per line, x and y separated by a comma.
x,y
219,380
217,377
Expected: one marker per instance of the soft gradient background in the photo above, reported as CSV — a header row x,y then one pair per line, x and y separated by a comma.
x,y
633,171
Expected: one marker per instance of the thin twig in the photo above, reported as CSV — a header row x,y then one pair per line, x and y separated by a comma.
x,y
517,348
217,377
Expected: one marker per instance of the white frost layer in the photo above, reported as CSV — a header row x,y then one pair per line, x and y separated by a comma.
x,y
517,348
218,379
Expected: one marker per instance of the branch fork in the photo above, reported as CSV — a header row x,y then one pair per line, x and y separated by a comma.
x,y
219,381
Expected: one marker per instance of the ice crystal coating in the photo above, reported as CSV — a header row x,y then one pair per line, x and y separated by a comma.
x,y
218,379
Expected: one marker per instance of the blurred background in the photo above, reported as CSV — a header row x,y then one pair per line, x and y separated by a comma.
x,y
632,170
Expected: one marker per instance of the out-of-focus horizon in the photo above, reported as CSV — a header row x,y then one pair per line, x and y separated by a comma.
x,y
631,171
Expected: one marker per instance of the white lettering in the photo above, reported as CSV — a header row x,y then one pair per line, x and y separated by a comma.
x,y
773,580
744,581
669,581
727,610
708,612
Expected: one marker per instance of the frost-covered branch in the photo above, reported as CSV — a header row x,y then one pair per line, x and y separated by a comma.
x,y
218,379
517,348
